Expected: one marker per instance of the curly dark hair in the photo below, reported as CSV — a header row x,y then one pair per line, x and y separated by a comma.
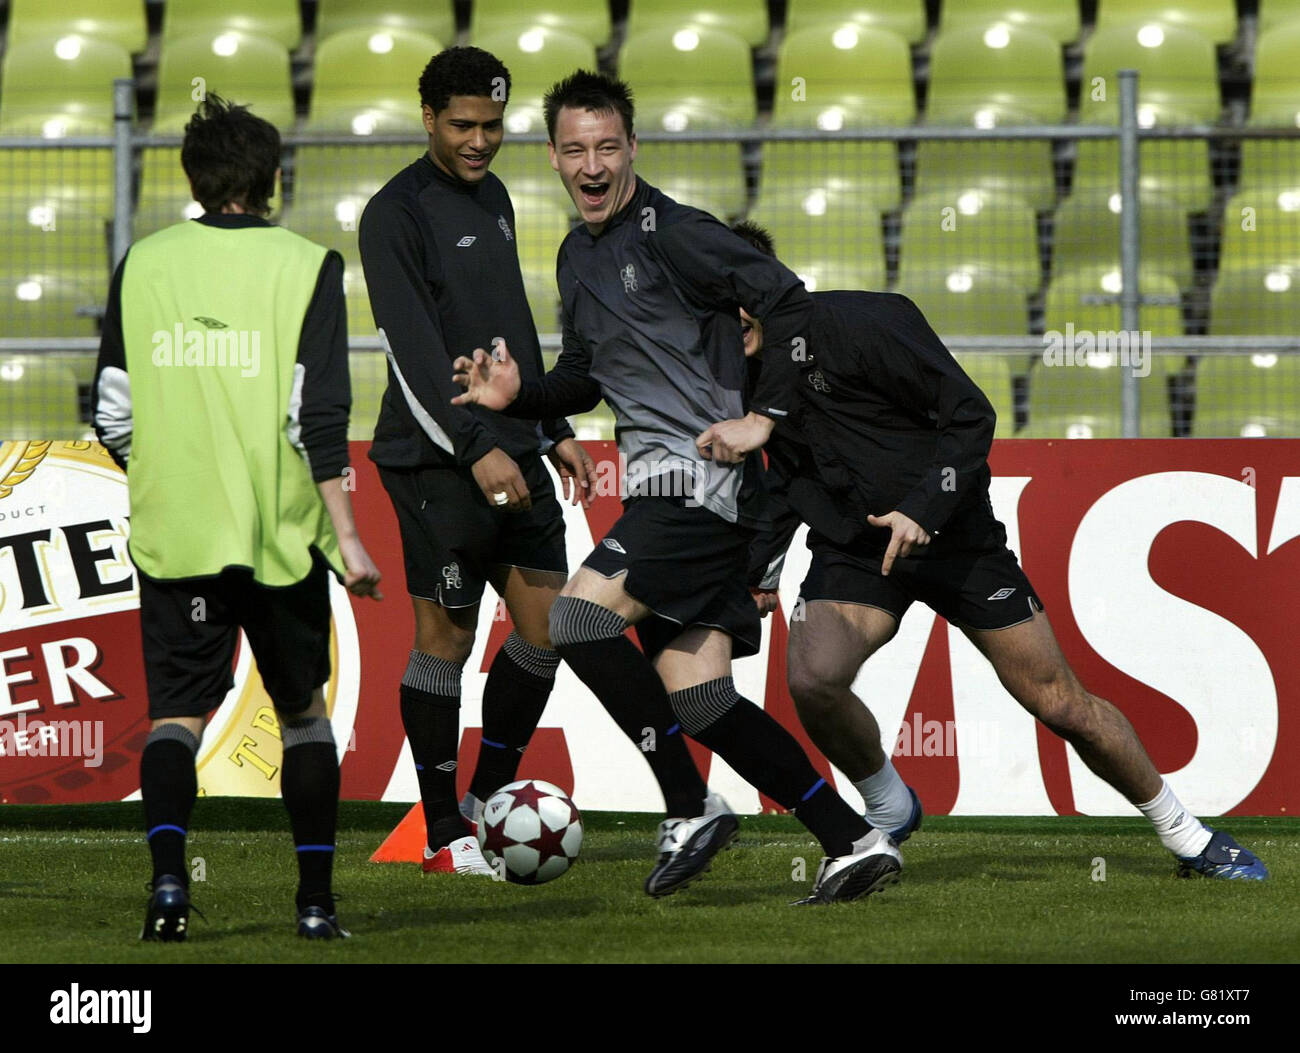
x,y
463,71
230,156
585,90
757,236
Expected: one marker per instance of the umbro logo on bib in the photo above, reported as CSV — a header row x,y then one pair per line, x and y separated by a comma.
x,y
466,241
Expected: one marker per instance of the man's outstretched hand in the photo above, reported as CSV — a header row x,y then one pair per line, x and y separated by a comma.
x,y
908,535
730,441
490,380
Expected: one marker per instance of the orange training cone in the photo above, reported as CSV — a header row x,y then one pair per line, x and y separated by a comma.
x,y
406,843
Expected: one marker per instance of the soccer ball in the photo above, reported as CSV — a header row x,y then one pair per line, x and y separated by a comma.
x,y
530,832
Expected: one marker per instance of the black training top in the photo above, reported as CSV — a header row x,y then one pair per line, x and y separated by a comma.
x,y
442,270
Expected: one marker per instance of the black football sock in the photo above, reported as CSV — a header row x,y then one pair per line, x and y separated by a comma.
x,y
309,786
518,685
168,785
431,717
590,639
769,758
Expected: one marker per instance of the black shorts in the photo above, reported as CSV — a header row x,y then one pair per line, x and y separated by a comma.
x,y
688,565
967,575
189,628
452,536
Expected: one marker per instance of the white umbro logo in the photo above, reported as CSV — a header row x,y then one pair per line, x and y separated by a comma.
x,y
466,241
1002,594
448,765
609,542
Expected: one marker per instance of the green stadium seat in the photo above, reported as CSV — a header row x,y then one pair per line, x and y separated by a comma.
x,y
369,370
357,299
1247,396
56,190
120,21
540,226
826,238
365,82
1084,402
746,19
1260,233
1216,20
526,170
273,19
587,18
1272,166
1256,301
536,58
1059,19
331,186
834,78
975,301
993,375
906,18
942,240
434,18
252,71
1072,295
60,87
1088,232
1274,13
38,397
165,196
1178,84
45,302
986,77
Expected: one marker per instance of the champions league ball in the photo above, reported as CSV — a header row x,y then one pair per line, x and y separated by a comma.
x,y
530,832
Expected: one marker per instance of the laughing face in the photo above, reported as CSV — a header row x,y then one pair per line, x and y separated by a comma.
x,y
464,137
593,154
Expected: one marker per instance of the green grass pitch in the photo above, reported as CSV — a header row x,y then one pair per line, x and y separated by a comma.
x,y
72,889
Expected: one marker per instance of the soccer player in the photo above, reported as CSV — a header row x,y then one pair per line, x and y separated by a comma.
x,y
222,390
473,499
885,416
650,290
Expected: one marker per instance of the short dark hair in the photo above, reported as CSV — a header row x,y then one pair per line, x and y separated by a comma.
x,y
463,71
585,90
230,156
757,236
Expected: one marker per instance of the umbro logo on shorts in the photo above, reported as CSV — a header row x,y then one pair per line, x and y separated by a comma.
x,y
466,241
609,542
1002,594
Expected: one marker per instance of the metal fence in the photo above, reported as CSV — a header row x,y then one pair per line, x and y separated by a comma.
x,y
1096,281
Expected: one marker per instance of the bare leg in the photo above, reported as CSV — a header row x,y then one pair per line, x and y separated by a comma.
x,y
827,648
1032,668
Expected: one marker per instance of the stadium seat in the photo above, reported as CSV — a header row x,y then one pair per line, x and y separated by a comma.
x,y
252,71
525,168
56,190
272,19
906,18
1178,84
38,397
833,78
992,374
536,58
1247,396
1087,232
1253,301
331,186
366,82
120,21
540,226
974,301
369,370
746,19
1273,166
1277,13
942,240
357,298
434,18
1260,232
165,196
1059,19
826,238
1085,402
587,18
59,87
1216,20
986,77
1072,297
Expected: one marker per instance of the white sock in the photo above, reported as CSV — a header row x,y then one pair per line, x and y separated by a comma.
x,y
889,804
1180,831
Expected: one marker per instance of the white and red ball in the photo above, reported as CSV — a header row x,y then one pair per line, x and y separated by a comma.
x,y
533,830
